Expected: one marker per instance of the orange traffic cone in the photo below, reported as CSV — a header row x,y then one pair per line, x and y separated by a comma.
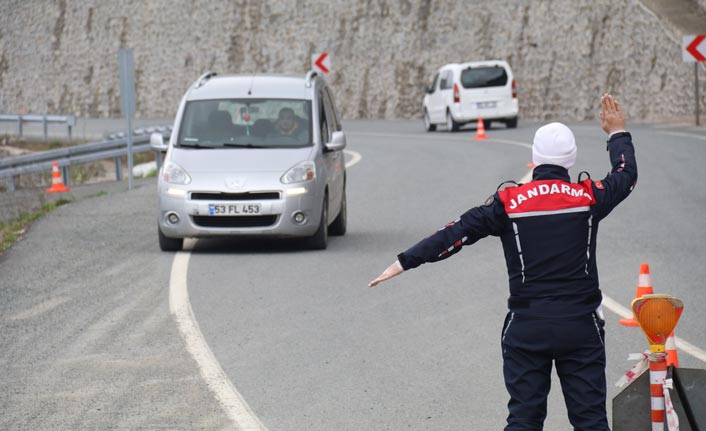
x,y
480,131
644,287
671,348
57,186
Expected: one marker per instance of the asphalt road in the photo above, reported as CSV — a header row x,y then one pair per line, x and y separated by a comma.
x,y
88,341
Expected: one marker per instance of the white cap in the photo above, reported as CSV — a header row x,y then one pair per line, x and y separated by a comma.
x,y
554,144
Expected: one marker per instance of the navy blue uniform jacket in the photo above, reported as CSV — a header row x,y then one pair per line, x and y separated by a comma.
x,y
548,230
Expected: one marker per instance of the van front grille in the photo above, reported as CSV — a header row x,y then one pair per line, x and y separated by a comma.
x,y
248,196
235,221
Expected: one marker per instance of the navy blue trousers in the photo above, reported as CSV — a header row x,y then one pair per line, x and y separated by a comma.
x,y
576,347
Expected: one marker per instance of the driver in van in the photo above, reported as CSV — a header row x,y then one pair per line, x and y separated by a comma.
x,y
287,124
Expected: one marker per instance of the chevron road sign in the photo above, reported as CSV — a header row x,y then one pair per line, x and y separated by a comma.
x,y
694,48
321,62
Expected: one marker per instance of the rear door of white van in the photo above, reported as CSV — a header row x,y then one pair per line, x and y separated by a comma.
x,y
485,90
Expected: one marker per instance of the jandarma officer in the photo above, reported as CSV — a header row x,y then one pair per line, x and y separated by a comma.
x,y
548,229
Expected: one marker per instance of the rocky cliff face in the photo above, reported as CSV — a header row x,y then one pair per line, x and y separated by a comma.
x,y
62,56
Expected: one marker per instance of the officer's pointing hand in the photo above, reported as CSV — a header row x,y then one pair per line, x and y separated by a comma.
x,y
612,117
391,271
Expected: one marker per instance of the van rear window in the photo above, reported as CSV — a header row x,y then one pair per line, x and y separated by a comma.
x,y
479,77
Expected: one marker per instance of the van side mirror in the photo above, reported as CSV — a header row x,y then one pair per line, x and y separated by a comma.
x,y
338,142
429,89
157,142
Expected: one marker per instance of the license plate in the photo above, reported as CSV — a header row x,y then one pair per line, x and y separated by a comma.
x,y
233,209
485,105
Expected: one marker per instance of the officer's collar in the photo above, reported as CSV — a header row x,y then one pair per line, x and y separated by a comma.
x,y
550,172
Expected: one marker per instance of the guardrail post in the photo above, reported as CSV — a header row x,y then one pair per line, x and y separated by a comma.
x,y
11,183
158,159
66,175
118,169
19,125
70,123
44,123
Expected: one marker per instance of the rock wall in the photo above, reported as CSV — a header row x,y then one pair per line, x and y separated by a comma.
x,y
62,56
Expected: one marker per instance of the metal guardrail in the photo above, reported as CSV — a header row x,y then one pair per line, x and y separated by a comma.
x,y
20,119
12,167
140,131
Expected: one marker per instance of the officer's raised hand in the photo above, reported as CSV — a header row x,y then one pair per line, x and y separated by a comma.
x,y
612,117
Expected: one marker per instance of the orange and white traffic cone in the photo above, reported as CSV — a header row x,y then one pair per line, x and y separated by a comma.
x,y
671,348
57,186
644,287
480,131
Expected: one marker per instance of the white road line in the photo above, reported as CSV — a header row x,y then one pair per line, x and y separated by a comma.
x,y
40,309
355,158
507,141
682,344
527,178
216,379
684,135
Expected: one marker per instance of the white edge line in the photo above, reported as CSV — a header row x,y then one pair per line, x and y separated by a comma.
x,y
355,158
682,344
527,178
683,135
216,379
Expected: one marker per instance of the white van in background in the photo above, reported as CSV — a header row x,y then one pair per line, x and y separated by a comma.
x,y
463,93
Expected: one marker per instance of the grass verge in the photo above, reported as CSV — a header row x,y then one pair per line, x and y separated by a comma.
x,y
13,230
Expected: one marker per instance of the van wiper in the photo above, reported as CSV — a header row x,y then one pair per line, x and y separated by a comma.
x,y
236,145
194,145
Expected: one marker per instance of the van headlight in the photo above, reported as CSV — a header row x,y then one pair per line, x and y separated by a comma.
x,y
175,174
304,171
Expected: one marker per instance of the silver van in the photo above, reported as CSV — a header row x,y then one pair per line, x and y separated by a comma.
x,y
253,155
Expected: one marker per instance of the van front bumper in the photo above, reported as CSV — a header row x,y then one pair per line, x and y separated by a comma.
x,y
189,213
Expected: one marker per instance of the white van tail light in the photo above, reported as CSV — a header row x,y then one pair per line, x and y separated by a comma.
x,y
514,90
457,94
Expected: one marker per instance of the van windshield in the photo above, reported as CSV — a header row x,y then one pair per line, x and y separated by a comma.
x,y
246,123
480,77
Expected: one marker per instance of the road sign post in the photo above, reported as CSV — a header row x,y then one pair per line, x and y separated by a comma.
x,y
696,95
694,50
127,101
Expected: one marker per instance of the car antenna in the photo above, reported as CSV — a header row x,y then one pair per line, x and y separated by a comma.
x,y
251,83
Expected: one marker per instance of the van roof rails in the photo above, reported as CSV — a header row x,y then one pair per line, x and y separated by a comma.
x,y
310,75
203,78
